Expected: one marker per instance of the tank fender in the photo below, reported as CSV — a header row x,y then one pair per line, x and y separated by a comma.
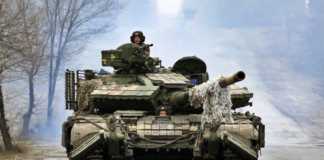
x,y
66,135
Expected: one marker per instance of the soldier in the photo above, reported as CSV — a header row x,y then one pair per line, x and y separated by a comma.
x,y
138,39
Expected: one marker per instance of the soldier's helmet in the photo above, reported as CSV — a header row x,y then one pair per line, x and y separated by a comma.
x,y
137,33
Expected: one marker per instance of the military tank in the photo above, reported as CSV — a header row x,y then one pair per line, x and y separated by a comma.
x,y
144,111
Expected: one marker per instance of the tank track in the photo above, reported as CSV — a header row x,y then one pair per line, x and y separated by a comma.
x,y
97,154
230,155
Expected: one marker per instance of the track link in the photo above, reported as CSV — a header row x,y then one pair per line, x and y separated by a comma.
x,y
230,155
96,155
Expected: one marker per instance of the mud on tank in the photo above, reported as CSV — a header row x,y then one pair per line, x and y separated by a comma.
x,y
146,111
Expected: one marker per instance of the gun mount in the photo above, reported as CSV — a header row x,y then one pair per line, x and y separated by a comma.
x,y
129,59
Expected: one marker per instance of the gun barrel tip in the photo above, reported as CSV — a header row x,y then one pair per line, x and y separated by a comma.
x,y
240,75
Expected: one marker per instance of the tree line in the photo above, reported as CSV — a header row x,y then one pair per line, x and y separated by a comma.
x,y
36,37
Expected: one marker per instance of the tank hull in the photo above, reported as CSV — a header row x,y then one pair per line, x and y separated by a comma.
x,y
178,136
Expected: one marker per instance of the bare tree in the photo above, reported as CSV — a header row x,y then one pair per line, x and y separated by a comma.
x,y
70,24
3,125
9,33
33,43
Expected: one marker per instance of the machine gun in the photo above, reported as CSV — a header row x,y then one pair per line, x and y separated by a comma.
x,y
146,46
130,59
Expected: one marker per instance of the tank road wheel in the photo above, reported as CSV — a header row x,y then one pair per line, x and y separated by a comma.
x,y
96,154
229,155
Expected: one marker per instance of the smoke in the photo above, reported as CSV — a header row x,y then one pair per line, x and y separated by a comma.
x,y
307,4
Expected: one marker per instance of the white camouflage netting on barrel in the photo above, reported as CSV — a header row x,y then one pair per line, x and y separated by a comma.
x,y
214,99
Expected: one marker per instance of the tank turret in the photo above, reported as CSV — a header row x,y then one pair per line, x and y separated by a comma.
x,y
240,97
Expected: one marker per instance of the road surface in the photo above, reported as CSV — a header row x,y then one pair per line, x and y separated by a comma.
x,y
50,151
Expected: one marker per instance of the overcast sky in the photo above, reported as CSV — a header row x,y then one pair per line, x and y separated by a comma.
x,y
279,44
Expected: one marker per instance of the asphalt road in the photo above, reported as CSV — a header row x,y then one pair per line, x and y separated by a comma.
x,y
293,152
43,151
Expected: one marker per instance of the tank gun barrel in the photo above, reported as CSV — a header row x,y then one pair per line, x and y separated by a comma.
x,y
179,98
226,81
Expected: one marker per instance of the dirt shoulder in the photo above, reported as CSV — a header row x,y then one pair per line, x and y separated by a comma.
x,y
28,150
